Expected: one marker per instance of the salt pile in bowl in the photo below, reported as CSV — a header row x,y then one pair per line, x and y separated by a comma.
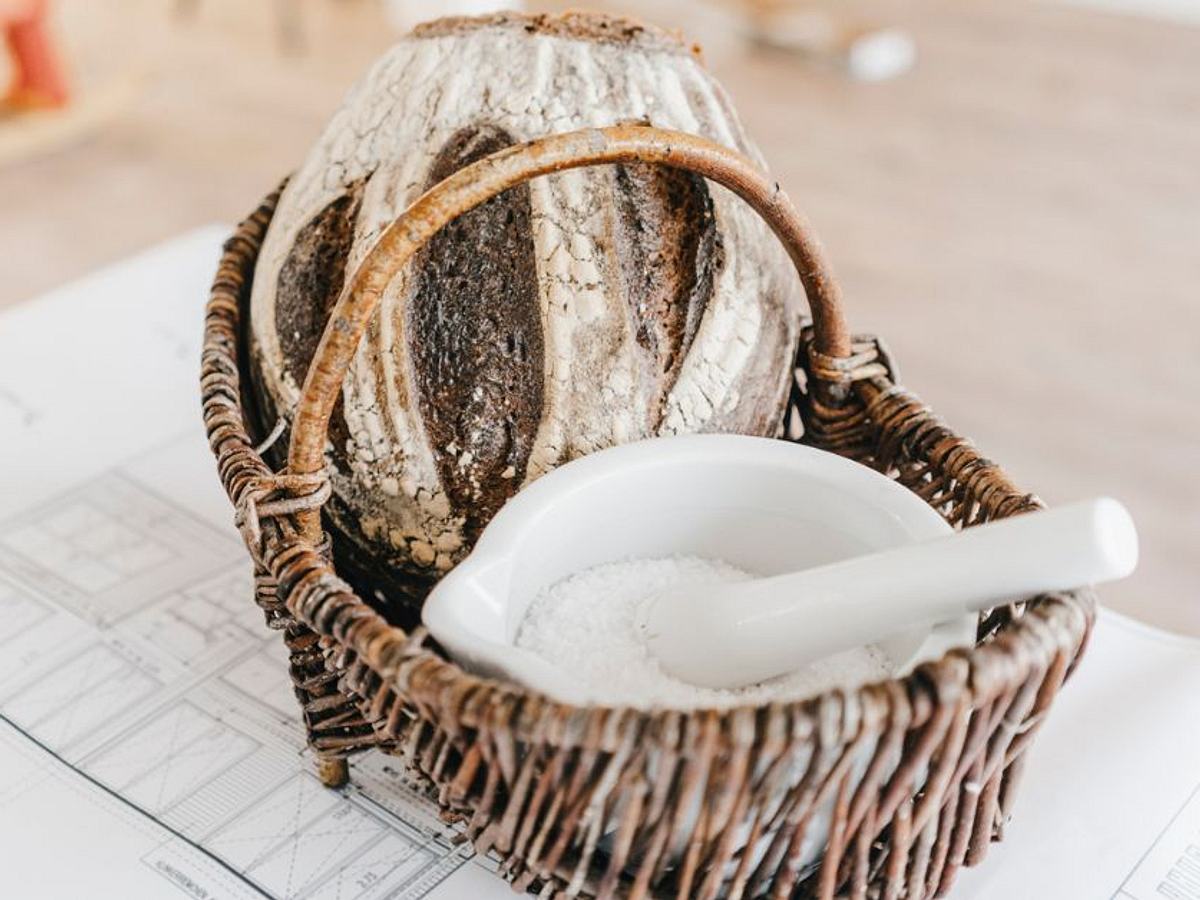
x,y
585,625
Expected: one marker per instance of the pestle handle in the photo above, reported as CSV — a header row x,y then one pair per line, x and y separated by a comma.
x,y
730,635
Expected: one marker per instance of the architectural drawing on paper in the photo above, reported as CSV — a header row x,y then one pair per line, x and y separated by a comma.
x,y
168,692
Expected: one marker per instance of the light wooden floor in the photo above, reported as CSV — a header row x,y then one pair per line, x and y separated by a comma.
x,y
1020,216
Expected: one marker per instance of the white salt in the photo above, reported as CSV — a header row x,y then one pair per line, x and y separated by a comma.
x,y
585,624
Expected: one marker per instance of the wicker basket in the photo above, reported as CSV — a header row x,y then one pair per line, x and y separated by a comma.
x,y
621,802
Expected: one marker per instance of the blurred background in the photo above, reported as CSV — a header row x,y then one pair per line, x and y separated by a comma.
x,y
1010,192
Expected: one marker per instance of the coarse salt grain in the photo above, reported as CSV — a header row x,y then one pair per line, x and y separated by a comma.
x,y
585,624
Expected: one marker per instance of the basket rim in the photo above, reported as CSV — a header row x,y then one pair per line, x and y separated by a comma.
x,y
396,672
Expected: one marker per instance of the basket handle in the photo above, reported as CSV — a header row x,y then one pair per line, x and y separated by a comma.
x,y
486,178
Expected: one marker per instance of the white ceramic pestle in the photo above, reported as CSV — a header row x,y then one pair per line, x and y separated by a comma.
x,y
730,635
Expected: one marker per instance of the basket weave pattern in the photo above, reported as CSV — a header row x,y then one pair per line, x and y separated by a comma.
x,y
619,802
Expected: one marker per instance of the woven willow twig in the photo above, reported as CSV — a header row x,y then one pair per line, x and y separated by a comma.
x,y
619,802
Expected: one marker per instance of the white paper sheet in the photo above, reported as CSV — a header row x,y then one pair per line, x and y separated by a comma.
x,y
149,739
149,743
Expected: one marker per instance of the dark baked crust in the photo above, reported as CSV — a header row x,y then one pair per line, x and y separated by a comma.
x,y
311,279
671,252
309,284
474,331
579,25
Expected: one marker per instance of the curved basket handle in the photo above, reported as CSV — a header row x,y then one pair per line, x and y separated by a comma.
x,y
480,181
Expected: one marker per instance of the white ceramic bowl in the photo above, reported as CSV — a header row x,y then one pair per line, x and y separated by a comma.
x,y
763,505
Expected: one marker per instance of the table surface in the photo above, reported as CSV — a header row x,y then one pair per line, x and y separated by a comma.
x,y
1019,216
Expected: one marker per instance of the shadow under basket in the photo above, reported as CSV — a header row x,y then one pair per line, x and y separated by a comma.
x,y
918,774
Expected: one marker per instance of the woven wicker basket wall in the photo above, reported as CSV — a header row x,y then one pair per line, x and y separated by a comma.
x,y
620,802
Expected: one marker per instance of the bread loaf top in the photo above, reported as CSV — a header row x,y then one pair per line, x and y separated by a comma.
x,y
572,24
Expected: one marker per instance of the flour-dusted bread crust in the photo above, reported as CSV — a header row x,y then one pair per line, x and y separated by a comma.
x,y
582,310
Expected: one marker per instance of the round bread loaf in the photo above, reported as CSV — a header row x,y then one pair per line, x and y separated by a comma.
x,y
582,310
